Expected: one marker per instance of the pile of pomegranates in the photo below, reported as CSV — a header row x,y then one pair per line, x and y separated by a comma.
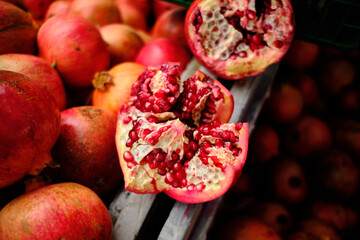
x,y
93,102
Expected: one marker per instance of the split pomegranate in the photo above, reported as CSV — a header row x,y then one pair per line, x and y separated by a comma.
x,y
29,127
170,136
234,39
57,211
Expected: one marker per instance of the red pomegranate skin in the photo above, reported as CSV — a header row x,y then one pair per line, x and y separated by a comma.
x,y
31,115
86,148
39,71
17,32
57,211
163,50
57,8
74,45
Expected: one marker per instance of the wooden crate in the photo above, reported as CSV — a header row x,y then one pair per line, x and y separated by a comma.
x,y
157,216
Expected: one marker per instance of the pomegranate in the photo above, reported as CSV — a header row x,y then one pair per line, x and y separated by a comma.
x,y
264,137
144,35
75,47
288,181
238,39
161,6
57,8
113,87
99,12
123,41
94,164
275,215
307,86
37,8
307,135
62,211
248,228
143,5
284,104
170,137
302,54
314,229
242,193
133,16
170,24
336,214
337,174
17,30
162,50
347,135
336,74
38,70
29,127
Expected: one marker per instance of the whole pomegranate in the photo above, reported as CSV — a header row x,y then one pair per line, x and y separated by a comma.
x,y
264,137
143,5
302,54
17,31
314,229
29,127
288,181
162,50
94,164
133,16
99,12
307,135
248,228
170,25
170,137
307,86
160,6
284,104
235,39
38,70
74,45
57,7
37,8
112,88
57,211
123,41
347,135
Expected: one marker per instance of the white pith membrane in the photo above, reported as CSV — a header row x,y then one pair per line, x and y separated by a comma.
x,y
204,170
220,46
141,178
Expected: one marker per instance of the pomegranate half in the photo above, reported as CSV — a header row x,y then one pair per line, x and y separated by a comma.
x,y
170,137
235,39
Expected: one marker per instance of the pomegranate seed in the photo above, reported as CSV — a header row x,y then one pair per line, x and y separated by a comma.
x,y
146,131
243,54
219,143
162,165
205,145
215,134
175,156
193,146
189,155
211,110
235,151
127,119
164,129
180,175
160,157
251,14
278,43
152,119
131,164
154,165
169,177
232,137
210,104
128,157
239,13
205,161
191,187
161,171
171,100
226,135
156,108
256,39
203,154
199,187
175,183
170,164
183,182
177,167
205,130
238,126
129,143
133,136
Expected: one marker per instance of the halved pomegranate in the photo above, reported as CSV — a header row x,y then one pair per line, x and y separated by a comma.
x,y
234,39
172,136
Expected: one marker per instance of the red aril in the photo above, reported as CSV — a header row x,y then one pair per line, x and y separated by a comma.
x,y
123,41
99,12
238,39
163,50
39,71
74,45
74,211
112,88
170,25
17,30
169,139
29,127
85,148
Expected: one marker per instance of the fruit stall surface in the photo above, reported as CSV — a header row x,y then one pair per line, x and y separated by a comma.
x,y
77,75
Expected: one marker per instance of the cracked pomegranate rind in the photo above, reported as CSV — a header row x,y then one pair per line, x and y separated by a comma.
x,y
238,38
189,159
